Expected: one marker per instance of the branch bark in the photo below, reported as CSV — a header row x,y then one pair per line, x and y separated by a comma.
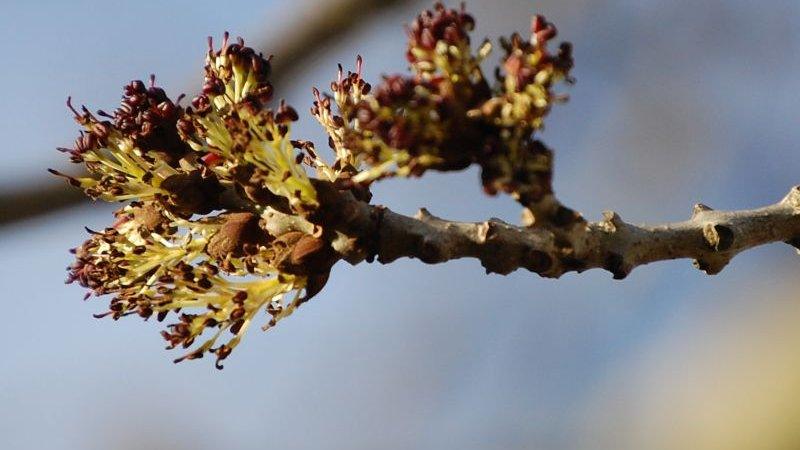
x,y
711,238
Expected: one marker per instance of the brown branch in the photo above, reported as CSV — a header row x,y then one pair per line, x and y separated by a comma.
x,y
711,238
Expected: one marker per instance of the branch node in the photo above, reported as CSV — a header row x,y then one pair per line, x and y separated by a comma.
x,y
615,263
487,230
711,266
700,208
565,217
792,198
498,267
429,252
611,221
424,215
570,263
795,242
538,262
718,237
527,218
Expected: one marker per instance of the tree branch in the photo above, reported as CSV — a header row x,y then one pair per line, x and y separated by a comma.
x,y
711,238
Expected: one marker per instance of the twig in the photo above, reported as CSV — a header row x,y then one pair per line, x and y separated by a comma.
x,y
711,238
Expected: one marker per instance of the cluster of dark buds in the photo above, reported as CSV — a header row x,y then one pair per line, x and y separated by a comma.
x,y
227,216
446,115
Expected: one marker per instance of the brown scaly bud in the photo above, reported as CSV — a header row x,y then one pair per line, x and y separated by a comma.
x,y
314,255
238,232
194,192
148,217
252,184
298,253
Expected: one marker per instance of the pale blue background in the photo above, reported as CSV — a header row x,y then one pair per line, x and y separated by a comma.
x,y
676,102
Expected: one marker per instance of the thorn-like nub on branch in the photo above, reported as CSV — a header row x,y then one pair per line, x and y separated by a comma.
x,y
611,221
719,237
795,243
792,198
700,208
429,253
615,263
539,262
564,217
423,214
499,264
711,266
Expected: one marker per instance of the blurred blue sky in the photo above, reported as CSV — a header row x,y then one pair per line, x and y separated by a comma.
x,y
676,102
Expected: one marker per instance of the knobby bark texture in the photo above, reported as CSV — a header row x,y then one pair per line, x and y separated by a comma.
x,y
709,237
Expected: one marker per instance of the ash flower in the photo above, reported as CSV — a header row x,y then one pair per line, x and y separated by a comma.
x,y
348,92
408,125
521,165
165,255
446,116
149,118
269,246
236,73
138,154
438,40
528,74
235,134
156,264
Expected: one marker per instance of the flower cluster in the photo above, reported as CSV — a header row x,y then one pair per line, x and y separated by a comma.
x,y
192,241
409,124
136,153
239,139
223,220
522,165
154,264
348,92
446,115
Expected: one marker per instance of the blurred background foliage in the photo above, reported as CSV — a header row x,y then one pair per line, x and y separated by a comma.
x,y
676,102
